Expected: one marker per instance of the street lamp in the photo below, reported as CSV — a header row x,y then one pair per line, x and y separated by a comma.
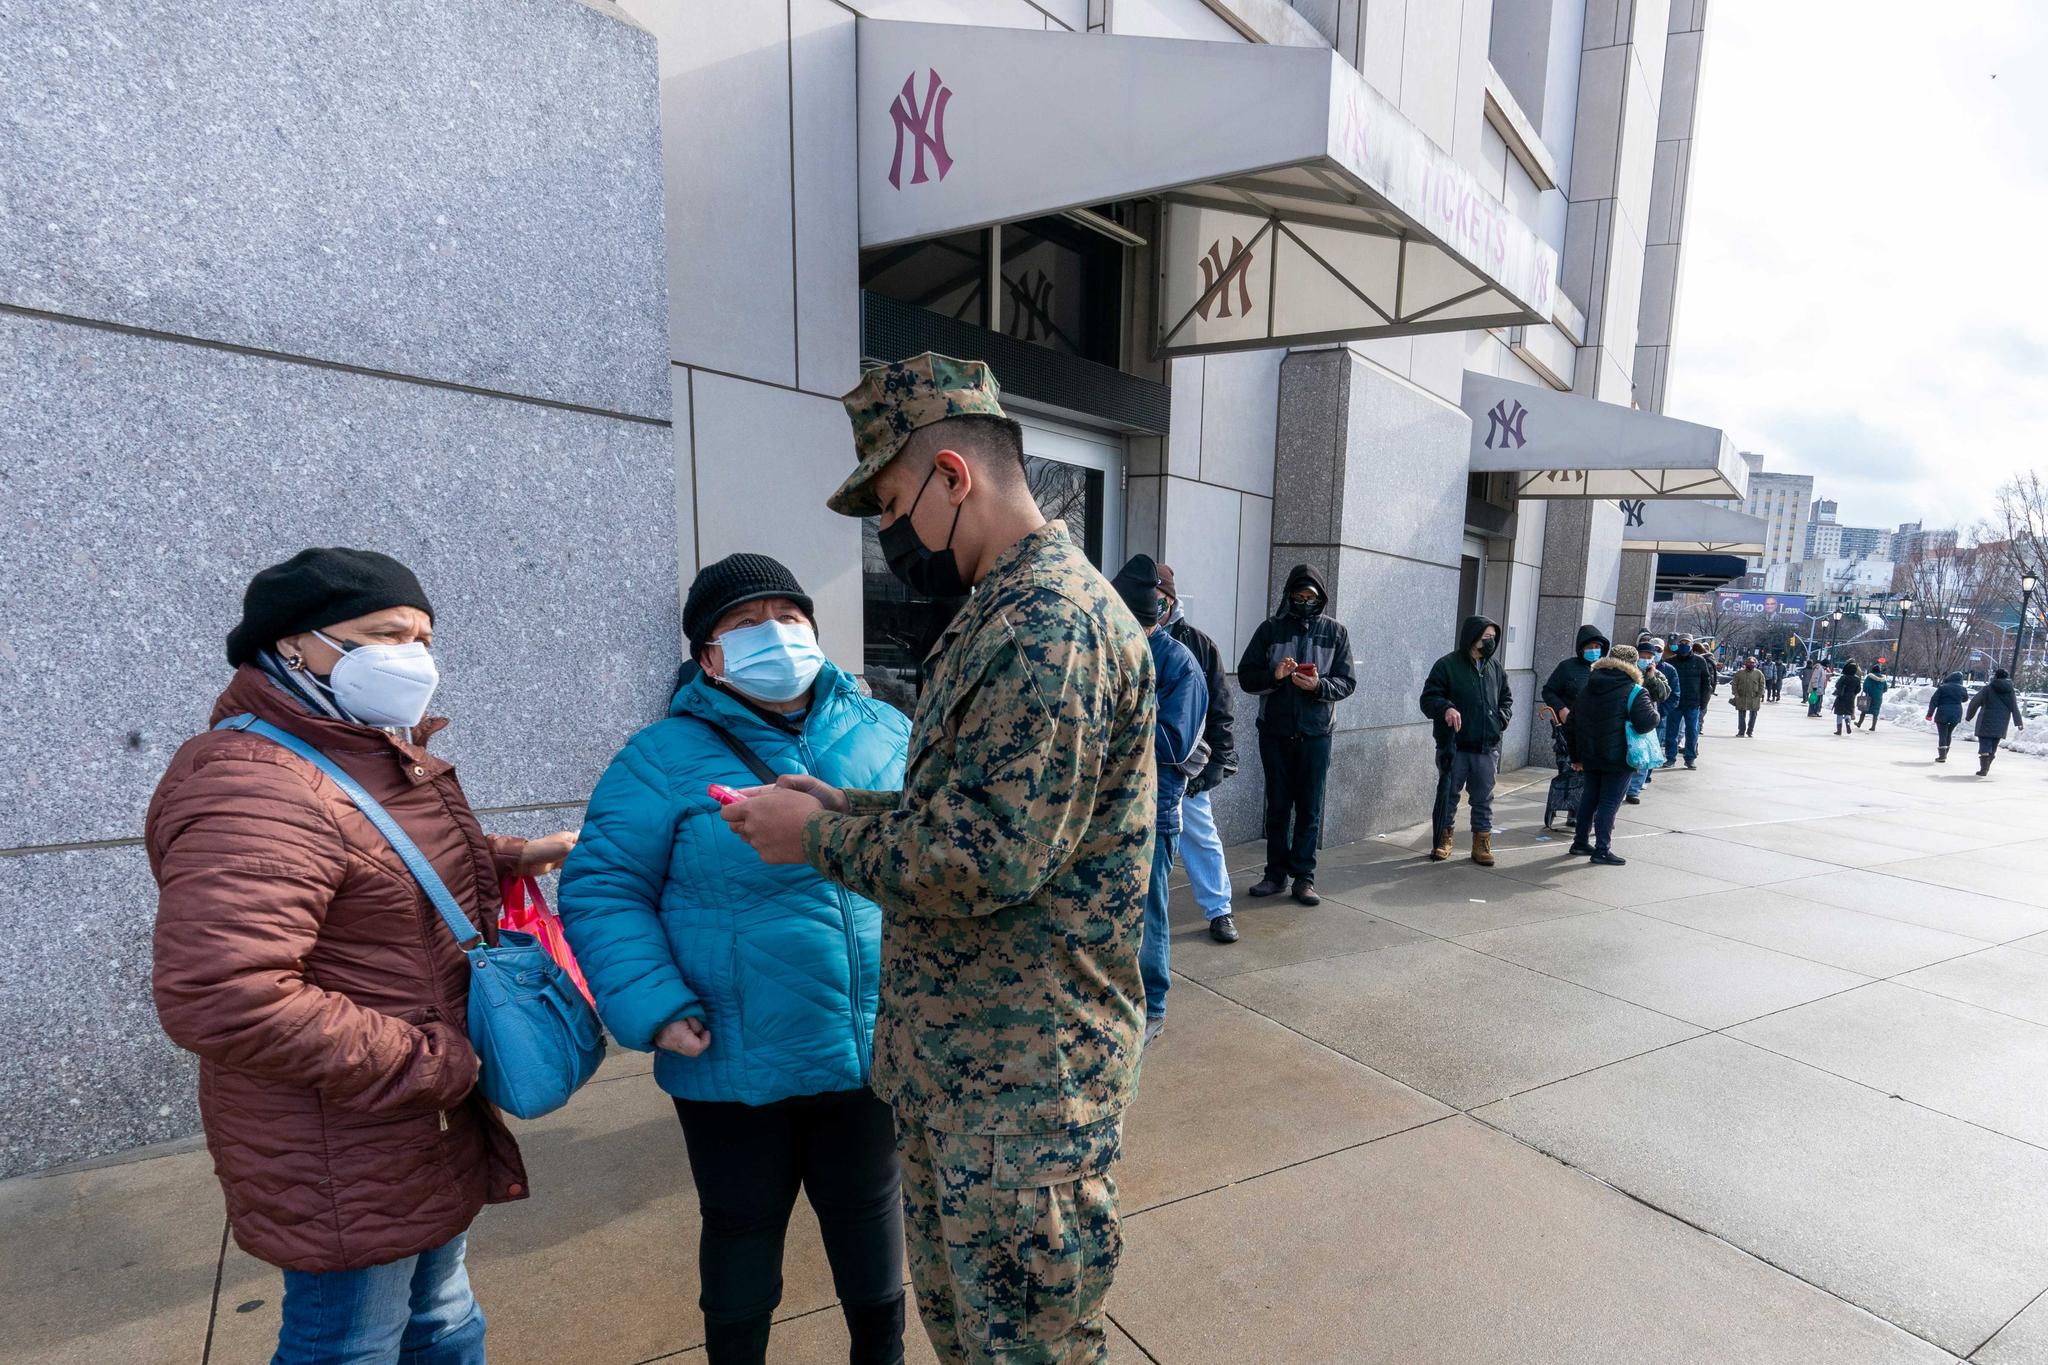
x,y
1899,664
1835,635
2027,585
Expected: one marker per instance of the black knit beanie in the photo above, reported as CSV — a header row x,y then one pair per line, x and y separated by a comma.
x,y
720,587
1137,582
317,588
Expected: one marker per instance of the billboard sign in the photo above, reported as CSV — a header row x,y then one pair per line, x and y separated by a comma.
x,y
1762,605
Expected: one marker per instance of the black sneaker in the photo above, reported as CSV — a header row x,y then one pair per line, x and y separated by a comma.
x,y
1631,800
1691,766
1270,886
1608,858
1579,850
1223,929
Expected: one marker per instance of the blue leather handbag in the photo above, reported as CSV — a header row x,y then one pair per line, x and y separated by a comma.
x,y
536,1035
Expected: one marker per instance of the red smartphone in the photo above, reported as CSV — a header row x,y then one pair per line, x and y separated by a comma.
x,y
724,796
1307,670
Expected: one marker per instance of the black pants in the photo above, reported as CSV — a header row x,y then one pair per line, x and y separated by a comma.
x,y
1945,730
1598,807
1775,688
1297,770
748,1162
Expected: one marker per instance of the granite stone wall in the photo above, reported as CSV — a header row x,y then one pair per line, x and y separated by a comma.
x,y
274,275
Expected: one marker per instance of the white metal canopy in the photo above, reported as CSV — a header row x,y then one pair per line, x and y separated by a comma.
x,y
1562,445
1684,526
1300,206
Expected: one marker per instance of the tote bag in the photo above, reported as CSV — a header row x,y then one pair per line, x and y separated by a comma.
x,y
1645,751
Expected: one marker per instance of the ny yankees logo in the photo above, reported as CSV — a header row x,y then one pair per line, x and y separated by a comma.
x,y
926,127
1031,305
1214,269
1632,510
1506,424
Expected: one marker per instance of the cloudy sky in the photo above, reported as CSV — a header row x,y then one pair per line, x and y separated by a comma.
x,y
1865,283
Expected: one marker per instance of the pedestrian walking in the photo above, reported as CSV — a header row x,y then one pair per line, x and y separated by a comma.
x,y
754,986
1201,845
1774,678
1848,690
1660,679
1945,709
1816,684
1746,690
1612,703
1298,665
1996,709
1696,684
1560,693
1467,700
297,956
1182,753
1011,871
1875,685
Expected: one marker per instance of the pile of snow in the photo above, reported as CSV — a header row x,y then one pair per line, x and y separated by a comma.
x,y
1906,707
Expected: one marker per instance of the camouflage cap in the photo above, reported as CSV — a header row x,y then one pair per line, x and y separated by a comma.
x,y
892,401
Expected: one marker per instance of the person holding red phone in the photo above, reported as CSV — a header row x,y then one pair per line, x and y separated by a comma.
x,y
1299,665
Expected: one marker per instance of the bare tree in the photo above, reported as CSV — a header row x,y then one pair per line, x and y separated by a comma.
x,y
2019,526
1949,586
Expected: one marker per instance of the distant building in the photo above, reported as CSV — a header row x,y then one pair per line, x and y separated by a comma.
x,y
1909,542
1832,540
1782,500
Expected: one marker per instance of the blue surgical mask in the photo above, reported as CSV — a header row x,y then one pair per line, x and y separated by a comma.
x,y
774,661
1591,656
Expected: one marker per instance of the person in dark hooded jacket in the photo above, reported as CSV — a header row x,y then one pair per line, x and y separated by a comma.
x,y
1696,684
1848,688
1561,693
1612,703
1945,709
1299,666
1996,708
1466,696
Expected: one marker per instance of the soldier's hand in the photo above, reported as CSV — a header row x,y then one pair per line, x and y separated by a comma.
x,y
772,820
828,796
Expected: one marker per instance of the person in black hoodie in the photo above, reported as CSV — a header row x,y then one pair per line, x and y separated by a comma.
x,y
1612,703
1467,696
1848,688
1561,693
1201,847
1299,666
1945,709
1997,708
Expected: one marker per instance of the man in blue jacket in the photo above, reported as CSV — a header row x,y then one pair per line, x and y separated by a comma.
x,y
1178,744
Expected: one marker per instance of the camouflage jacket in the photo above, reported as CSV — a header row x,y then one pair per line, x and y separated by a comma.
x,y
1011,868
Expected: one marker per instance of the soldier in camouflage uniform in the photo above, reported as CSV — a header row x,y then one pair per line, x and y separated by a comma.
x,y
1011,871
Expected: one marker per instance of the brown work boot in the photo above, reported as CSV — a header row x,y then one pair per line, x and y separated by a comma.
x,y
1442,850
1482,847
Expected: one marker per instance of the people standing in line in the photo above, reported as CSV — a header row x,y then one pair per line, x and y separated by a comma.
x,y
1560,693
1746,690
754,986
1774,678
1183,707
1011,871
1816,685
1660,679
329,1008
1201,845
1696,685
1848,688
1467,699
1612,703
1996,708
1299,666
1945,709
1875,685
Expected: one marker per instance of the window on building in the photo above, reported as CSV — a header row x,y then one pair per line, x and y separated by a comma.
x,y
945,275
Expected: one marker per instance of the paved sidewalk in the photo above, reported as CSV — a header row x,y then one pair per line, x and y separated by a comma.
x,y
1777,1091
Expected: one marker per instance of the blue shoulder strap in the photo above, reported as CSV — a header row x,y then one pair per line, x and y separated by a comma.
x,y
422,870
1631,704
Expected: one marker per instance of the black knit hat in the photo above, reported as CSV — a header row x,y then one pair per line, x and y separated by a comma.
x,y
720,587
317,588
1137,582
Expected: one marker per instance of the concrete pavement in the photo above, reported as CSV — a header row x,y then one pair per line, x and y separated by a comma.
x,y
1773,1092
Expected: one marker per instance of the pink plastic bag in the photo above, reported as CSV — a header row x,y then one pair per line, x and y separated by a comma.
x,y
526,911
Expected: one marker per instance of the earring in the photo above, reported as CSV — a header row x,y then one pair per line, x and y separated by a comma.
x,y
297,663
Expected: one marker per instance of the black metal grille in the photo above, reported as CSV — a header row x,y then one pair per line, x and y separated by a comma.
x,y
891,330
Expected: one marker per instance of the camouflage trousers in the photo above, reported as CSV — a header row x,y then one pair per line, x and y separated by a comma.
x,y
1013,1241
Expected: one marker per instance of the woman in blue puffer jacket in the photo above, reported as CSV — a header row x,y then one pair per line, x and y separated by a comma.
x,y
755,986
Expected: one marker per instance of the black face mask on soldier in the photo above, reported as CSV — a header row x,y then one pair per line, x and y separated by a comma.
x,y
929,572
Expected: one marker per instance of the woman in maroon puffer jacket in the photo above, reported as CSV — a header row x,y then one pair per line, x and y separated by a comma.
x,y
327,1002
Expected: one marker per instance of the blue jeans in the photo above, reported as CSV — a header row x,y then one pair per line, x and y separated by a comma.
x,y
1152,952
418,1311
1690,717
1202,850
